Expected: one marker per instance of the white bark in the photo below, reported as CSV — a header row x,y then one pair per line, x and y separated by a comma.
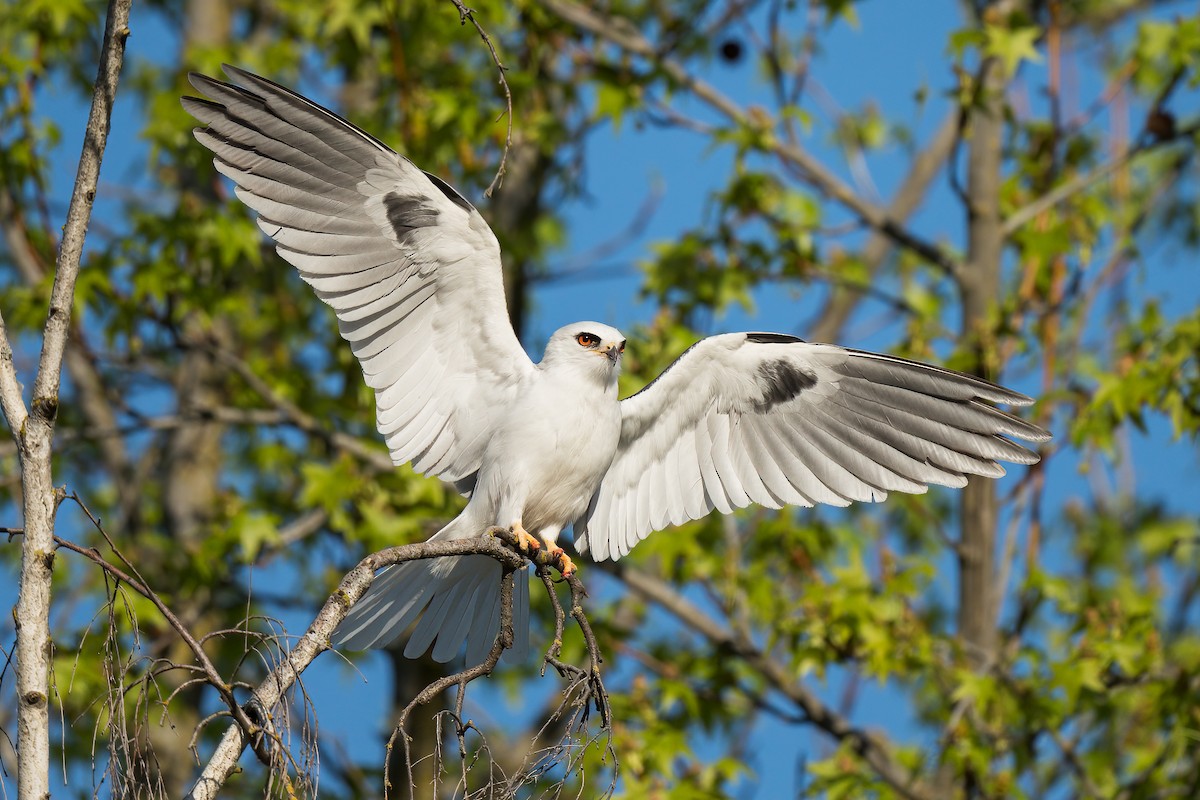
x,y
33,431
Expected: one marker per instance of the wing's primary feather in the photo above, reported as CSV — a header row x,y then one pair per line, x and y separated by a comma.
x,y
409,267
770,419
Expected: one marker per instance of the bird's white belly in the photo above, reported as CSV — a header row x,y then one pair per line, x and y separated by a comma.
x,y
548,457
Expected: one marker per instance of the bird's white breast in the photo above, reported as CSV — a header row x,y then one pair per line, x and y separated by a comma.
x,y
551,450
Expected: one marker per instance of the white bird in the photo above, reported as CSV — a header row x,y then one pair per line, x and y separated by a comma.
x,y
413,274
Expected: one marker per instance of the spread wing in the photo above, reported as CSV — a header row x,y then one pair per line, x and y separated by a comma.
x,y
763,418
409,267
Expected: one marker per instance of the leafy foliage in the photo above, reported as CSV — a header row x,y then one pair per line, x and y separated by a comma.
x,y
216,423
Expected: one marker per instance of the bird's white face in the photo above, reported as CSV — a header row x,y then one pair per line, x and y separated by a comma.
x,y
593,347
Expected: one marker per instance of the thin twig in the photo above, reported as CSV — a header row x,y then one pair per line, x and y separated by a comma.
x,y
500,546
139,584
624,35
503,642
464,15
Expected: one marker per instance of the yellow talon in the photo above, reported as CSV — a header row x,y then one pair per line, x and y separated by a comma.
x,y
524,540
559,558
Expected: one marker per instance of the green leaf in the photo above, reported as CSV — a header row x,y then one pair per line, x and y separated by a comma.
x,y
1012,45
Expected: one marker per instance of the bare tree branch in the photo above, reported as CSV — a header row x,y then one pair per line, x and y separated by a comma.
x,y
35,431
79,212
300,418
907,199
624,35
500,546
11,401
1019,218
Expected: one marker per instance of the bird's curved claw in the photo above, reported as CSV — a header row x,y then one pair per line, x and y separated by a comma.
x,y
524,540
559,558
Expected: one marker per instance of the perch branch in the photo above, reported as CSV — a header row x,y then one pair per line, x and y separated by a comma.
x,y
589,679
223,762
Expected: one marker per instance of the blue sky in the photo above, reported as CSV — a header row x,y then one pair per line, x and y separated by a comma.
x,y
881,61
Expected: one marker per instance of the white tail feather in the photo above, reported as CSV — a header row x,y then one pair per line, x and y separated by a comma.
x,y
454,600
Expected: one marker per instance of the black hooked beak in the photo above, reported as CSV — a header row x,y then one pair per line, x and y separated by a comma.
x,y
613,351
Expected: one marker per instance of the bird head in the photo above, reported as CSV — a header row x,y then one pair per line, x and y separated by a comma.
x,y
591,347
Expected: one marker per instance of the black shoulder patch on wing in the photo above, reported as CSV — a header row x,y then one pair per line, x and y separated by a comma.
x,y
451,194
406,212
773,338
781,381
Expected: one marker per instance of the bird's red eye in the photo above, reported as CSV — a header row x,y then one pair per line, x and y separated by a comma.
x,y
587,339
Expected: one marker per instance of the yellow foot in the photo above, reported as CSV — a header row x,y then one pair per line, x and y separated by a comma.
x,y
560,559
524,540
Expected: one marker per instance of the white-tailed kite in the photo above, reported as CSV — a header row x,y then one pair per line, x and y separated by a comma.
x,y
413,273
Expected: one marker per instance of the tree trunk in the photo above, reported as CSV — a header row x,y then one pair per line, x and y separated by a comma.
x,y
410,676
33,604
34,432
980,286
